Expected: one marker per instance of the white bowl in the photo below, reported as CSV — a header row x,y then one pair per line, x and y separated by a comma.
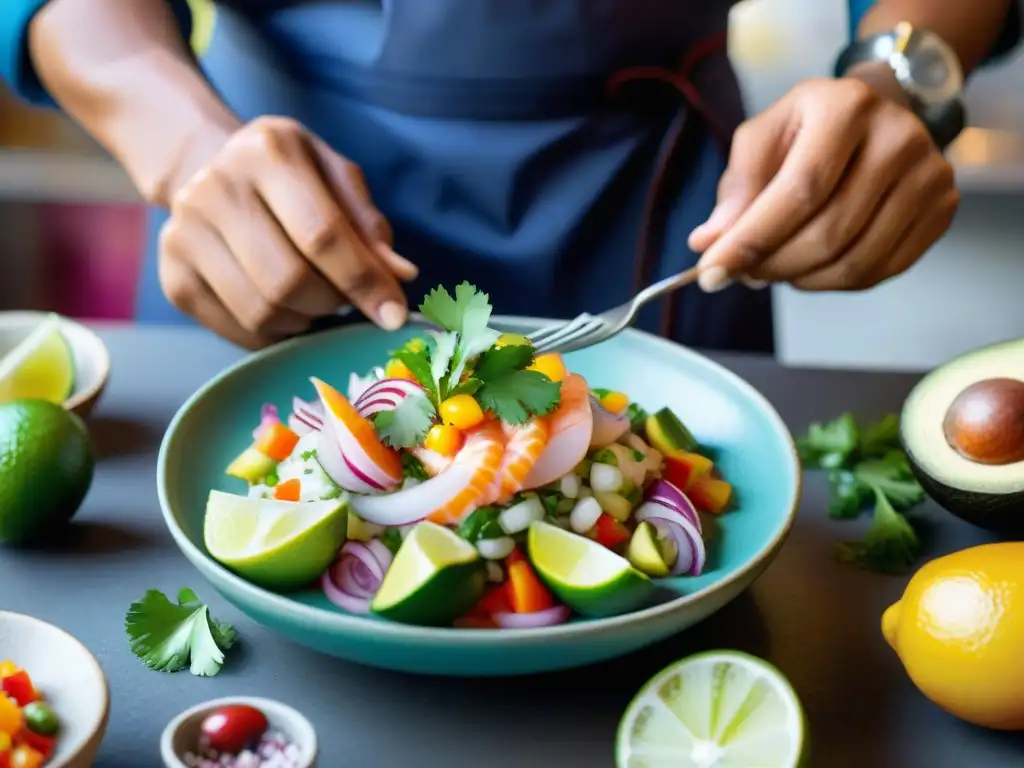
x,y
92,361
182,734
68,676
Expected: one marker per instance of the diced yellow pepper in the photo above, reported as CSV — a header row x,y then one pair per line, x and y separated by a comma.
x,y
551,365
26,757
615,402
6,742
7,668
396,369
11,720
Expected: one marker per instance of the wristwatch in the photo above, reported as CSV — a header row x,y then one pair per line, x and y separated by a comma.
x,y
927,69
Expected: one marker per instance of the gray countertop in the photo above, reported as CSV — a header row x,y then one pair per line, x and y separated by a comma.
x,y
815,619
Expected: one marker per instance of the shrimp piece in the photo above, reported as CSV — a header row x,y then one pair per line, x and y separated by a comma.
x,y
571,427
449,496
433,462
524,445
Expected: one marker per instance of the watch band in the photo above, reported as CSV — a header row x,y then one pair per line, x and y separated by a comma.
x,y
944,121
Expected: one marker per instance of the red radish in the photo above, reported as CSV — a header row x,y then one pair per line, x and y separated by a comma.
x,y
572,426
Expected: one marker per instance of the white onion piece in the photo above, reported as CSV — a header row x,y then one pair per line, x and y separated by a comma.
x,y
664,493
691,552
496,549
605,478
519,516
549,617
357,460
329,454
608,426
585,514
359,384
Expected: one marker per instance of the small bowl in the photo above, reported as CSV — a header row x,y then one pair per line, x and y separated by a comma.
x,y
70,678
92,361
182,734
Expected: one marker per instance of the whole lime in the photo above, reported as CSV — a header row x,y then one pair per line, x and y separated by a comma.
x,y
46,468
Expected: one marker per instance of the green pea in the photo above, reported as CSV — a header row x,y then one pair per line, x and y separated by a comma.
x,y
41,719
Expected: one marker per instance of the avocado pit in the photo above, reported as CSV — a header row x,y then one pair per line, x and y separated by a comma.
x,y
985,423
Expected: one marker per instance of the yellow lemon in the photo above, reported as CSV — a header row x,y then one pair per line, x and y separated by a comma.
x,y
959,631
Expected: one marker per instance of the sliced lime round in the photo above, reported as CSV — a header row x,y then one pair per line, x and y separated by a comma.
x,y
589,578
40,367
721,709
436,577
276,544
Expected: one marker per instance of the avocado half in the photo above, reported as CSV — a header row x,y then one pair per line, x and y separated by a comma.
x,y
948,408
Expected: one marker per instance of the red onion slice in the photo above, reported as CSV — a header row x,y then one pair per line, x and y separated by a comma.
x,y
549,617
691,554
664,493
391,388
268,415
354,578
329,454
608,426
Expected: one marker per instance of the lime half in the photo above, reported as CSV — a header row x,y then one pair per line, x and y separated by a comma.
x,y
589,578
276,544
40,367
435,578
721,709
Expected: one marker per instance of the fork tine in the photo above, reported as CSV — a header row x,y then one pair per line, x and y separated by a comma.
x,y
594,336
571,334
544,335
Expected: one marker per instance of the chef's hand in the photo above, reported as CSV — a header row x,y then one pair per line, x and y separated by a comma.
x,y
834,187
273,230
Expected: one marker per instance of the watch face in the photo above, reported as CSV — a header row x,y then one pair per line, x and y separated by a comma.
x,y
929,68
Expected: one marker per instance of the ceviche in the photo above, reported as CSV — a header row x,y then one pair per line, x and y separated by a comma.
x,y
468,481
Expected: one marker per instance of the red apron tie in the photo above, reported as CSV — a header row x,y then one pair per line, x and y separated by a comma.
x,y
680,132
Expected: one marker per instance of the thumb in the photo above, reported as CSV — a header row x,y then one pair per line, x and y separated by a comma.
x,y
756,156
349,183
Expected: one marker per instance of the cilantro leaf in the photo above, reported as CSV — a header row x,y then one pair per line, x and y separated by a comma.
x,y
466,316
881,438
169,637
413,467
442,349
829,445
517,395
418,362
407,424
500,361
848,495
889,545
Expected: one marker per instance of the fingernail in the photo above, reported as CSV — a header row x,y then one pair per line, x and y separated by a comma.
x,y
753,284
391,315
714,279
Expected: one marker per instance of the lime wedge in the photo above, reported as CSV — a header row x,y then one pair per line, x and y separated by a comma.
x,y
721,709
589,578
645,551
276,544
435,578
40,367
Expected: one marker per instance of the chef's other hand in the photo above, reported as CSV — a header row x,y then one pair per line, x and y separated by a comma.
x,y
834,187
275,230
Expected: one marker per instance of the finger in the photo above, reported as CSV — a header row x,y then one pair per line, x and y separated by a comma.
x,y
198,245
289,180
874,172
826,139
280,274
753,160
349,184
187,291
925,235
877,254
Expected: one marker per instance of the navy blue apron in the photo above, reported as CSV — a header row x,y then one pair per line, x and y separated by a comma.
x,y
555,153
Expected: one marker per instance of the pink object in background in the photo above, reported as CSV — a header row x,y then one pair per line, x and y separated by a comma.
x,y
92,255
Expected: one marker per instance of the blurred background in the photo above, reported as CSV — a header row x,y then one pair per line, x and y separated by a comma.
x,y
71,227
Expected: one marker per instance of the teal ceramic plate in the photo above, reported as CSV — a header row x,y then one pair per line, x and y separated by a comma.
x,y
754,451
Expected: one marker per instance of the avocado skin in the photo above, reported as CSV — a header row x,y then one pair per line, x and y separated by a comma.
x,y
1001,513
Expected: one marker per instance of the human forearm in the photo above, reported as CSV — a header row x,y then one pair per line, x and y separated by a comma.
x,y
971,28
122,70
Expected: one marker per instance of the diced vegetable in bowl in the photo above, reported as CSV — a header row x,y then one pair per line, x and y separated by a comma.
x,y
468,482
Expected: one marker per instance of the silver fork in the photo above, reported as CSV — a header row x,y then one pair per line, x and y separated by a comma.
x,y
587,330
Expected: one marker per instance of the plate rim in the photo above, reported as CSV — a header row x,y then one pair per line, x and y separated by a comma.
x,y
347,623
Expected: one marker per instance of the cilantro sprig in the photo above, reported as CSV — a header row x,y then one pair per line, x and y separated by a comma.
x,y
169,637
463,358
867,467
405,425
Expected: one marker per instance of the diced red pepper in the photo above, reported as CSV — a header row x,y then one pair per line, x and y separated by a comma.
x,y
710,494
276,440
609,532
495,601
526,592
6,745
289,490
19,687
516,557
44,745
683,468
